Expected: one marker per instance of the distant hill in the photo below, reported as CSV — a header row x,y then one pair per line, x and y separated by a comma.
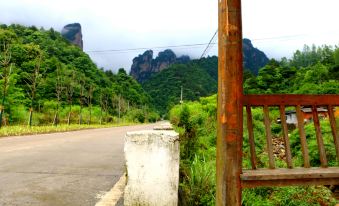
x,y
144,66
198,78
253,58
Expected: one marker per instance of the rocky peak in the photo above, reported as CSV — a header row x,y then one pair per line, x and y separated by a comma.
x,y
164,60
144,66
72,32
253,58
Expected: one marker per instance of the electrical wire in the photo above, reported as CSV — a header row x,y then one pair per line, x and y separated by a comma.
x,y
209,44
146,48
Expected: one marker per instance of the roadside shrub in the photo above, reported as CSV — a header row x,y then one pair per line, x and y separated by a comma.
x,y
153,117
312,144
19,115
136,115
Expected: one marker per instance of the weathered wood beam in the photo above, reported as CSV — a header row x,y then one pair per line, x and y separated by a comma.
x,y
291,100
230,117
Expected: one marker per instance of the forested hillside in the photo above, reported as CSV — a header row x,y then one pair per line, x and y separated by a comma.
x,y
145,66
197,79
44,79
314,70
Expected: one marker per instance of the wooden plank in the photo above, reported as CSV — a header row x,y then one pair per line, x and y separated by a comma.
x,y
251,137
302,135
267,123
287,177
291,100
334,129
320,141
296,182
286,139
289,174
230,107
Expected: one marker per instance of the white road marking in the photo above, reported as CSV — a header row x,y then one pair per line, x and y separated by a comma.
x,y
112,197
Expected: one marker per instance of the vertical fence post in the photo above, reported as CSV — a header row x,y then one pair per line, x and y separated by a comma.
x,y
230,111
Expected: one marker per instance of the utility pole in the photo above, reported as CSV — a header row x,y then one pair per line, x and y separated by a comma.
x,y
119,107
181,101
230,93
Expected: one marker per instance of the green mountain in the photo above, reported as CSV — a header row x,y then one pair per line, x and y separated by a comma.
x,y
145,66
310,71
43,72
197,78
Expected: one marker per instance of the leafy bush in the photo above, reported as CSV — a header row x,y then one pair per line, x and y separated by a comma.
x,y
136,115
153,117
312,144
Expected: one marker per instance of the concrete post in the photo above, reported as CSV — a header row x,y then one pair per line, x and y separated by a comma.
x,y
152,161
165,126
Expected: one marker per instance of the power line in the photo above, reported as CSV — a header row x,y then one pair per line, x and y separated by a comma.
x,y
105,52
209,43
145,48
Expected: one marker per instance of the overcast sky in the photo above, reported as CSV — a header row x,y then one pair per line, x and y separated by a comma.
x,y
277,27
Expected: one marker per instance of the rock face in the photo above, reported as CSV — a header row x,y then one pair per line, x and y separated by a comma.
x,y
144,66
72,32
253,58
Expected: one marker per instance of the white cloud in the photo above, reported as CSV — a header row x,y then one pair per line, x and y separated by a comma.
x,y
119,24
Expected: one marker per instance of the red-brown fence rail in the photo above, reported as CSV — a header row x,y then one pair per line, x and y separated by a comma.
x,y
305,175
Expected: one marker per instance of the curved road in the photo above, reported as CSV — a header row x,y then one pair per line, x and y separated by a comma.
x,y
71,168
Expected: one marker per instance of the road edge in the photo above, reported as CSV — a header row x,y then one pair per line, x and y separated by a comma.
x,y
112,197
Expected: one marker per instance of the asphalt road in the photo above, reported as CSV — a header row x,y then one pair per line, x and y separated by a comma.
x,y
72,168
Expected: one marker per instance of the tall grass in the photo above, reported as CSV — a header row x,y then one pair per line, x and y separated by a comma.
x,y
196,124
26,130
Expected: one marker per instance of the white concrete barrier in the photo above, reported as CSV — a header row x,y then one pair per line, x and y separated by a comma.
x,y
165,126
152,161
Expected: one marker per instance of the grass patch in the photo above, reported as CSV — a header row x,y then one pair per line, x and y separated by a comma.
x,y
26,130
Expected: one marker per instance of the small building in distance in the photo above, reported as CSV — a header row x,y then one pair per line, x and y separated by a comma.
x,y
291,116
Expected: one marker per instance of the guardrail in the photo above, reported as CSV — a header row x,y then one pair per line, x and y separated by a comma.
x,y
306,175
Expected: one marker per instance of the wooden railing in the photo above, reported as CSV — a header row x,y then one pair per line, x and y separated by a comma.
x,y
305,175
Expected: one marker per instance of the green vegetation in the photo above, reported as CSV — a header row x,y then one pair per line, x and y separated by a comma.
x,y
26,130
195,78
314,70
196,124
47,81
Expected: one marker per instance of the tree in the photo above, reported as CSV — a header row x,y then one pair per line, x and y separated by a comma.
x,y
104,101
91,89
336,57
33,81
59,87
6,72
82,96
70,86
